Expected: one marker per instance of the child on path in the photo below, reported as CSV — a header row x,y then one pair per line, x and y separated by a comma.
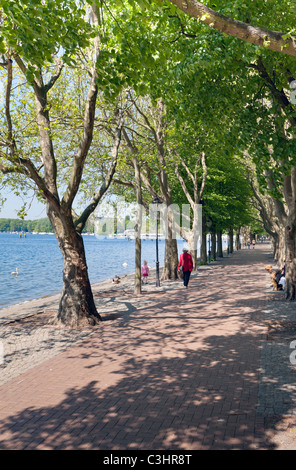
x,y
145,272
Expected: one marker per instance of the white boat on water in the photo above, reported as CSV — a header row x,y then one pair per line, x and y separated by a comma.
x,y
130,235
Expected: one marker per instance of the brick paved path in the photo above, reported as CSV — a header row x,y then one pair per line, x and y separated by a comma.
x,y
182,373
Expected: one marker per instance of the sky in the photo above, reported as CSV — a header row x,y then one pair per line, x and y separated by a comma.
x,y
13,204
38,210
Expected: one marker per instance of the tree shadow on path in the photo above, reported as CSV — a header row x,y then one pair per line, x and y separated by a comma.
x,y
183,374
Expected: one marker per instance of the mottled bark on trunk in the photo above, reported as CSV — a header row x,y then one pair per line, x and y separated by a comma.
x,y
203,247
194,259
170,271
138,277
138,228
237,240
213,246
193,237
230,234
219,244
291,261
76,306
280,246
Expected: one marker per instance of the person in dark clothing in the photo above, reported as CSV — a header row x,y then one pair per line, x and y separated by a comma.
x,y
186,266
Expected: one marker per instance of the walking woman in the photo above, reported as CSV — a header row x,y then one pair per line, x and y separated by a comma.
x,y
185,265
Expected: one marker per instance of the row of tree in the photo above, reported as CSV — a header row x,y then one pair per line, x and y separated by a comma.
x,y
140,100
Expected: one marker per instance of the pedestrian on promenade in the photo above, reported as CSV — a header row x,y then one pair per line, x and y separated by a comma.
x,y
185,265
253,242
249,243
145,272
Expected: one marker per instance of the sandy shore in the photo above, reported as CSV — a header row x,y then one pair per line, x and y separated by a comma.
x,y
106,295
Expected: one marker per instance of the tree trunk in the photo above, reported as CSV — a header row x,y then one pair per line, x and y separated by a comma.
x,y
138,228
203,248
280,246
237,239
194,259
213,246
171,250
193,235
245,235
230,234
219,244
138,277
171,256
291,261
77,306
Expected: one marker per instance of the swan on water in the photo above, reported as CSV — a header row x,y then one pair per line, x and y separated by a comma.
x,y
15,273
124,265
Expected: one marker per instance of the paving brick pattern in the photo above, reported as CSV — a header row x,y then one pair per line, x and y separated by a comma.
x,y
186,371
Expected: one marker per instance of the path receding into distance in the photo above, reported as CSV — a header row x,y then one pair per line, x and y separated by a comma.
x,y
185,372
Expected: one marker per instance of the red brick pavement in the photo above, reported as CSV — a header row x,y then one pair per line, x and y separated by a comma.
x,y
180,374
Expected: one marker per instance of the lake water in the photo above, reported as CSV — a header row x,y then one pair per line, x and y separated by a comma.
x,y
39,263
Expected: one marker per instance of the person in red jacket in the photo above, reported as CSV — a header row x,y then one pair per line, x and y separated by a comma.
x,y
186,266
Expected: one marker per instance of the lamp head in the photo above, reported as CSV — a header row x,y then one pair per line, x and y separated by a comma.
x,y
156,200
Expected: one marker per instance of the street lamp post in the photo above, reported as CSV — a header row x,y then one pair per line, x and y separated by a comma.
x,y
156,201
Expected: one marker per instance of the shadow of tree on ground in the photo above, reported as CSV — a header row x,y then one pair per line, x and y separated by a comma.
x,y
183,374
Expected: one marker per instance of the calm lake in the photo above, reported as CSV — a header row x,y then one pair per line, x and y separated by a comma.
x,y
39,263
